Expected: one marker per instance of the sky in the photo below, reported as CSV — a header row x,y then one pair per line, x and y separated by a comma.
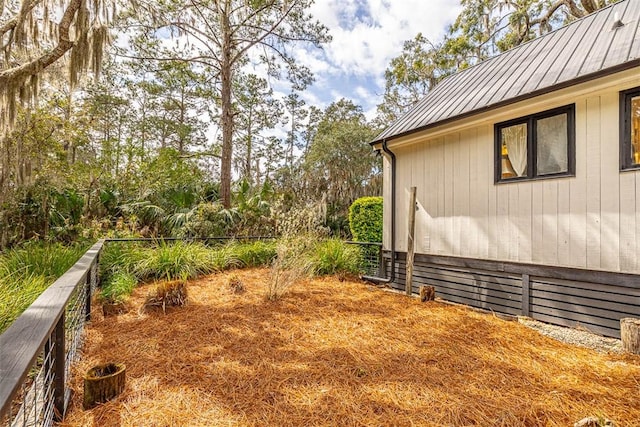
x,y
367,34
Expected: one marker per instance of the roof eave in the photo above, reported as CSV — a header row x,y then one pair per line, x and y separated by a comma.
x,y
563,85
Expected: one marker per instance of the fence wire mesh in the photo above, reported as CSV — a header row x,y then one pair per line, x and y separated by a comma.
x,y
371,255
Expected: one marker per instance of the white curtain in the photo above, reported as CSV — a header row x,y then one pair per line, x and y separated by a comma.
x,y
515,138
552,145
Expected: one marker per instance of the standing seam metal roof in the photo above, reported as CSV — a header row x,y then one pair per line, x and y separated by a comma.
x,y
582,50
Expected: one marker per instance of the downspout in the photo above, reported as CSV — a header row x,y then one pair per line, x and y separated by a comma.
x,y
392,277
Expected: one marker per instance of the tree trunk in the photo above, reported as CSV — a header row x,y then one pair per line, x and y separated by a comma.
x,y
103,383
630,334
227,110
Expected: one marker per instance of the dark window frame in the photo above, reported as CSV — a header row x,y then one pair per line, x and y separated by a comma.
x,y
532,145
626,162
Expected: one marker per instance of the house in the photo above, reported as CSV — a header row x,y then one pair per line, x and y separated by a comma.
x,y
527,169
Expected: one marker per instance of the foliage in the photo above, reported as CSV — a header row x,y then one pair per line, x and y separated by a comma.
x,y
47,260
36,35
333,256
117,287
483,29
340,165
255,254
26,272
409,76
173,261
123,265
365,219
210,220
301,220
120,257
223,36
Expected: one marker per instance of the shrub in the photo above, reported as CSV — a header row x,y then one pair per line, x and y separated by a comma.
x,y
118,287
255,254
291,265
120,256
333,256
48,260
365,219
224,258
26,272
174,261
210,220
17,295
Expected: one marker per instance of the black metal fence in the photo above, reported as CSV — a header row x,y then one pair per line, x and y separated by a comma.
x,y
371,257
37,350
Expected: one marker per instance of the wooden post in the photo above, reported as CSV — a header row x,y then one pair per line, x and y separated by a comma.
x,y
59,362
410,240
88,292
630,334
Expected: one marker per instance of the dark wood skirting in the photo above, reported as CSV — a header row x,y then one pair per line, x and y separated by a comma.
x,y
592,299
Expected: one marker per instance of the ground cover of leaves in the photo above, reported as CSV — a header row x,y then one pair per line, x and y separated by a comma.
x,y
342,353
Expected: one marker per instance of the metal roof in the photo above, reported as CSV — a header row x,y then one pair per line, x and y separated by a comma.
x,y
580,51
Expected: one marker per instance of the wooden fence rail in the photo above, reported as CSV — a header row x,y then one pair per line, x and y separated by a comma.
x,y
35,349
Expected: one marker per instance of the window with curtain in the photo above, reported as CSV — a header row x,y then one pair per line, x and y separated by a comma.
x,y
630,127
537,146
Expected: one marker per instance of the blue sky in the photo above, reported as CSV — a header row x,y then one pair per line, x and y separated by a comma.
x,y
367,34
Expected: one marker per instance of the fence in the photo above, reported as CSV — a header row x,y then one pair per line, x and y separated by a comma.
x,y
37,350
371,257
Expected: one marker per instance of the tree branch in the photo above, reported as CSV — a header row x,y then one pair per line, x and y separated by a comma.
x,y
36,65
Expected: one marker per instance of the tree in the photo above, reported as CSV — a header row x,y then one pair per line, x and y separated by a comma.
x,y
487,27
222,37
483,29
410,75
297,114
340,166
35,34
257,111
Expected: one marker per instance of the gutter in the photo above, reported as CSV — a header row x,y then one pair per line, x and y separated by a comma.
x,y
393,220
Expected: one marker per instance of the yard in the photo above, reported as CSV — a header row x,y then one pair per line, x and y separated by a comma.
x,y
336,352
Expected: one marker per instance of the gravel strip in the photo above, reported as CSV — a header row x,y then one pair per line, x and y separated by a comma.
x,y
579,337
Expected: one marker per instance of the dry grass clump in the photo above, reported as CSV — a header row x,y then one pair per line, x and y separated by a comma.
x,y
166,294
334,353
235,284
290,266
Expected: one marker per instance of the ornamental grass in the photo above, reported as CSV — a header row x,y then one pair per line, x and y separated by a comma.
x,y
331,353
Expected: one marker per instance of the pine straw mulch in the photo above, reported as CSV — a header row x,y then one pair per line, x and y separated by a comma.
x,y
343,353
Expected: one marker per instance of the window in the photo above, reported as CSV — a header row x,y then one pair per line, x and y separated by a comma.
x,y
630,129
537,146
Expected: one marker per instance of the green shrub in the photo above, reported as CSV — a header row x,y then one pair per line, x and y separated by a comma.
x,y
365,219
41,259
173,261
224,258
334,256
255,254
210,220
27,271
120,256
118,287
17,295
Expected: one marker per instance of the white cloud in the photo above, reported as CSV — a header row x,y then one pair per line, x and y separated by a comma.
x,y
368,33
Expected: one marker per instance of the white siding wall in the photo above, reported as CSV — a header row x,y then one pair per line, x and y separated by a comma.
x,y
590,221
